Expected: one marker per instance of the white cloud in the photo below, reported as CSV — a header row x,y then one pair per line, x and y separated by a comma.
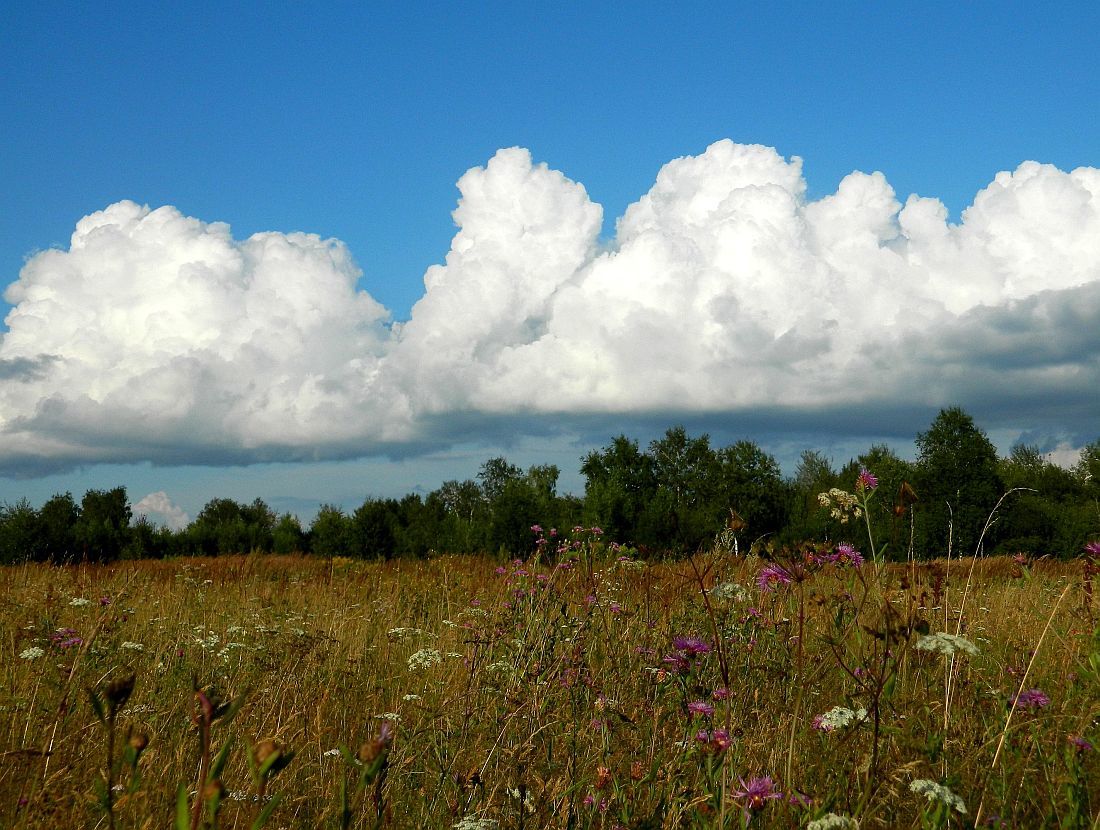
x,y
159,509
157,336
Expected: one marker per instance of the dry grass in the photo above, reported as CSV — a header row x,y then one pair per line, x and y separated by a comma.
x,y
554,707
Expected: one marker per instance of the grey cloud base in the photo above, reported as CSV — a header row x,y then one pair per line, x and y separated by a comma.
x,y
725,293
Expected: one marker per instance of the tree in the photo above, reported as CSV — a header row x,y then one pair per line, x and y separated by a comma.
x,y
330,531
752,485
619,484
103,529
371,529
287,535
18,532
466,516
686,508
957,481
58,521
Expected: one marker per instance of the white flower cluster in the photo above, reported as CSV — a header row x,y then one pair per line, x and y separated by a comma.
x,y
938,792
79,601
839,717
831,821
841,504
945,643
32,653
476,823
132,646
401,633
728,592
425,659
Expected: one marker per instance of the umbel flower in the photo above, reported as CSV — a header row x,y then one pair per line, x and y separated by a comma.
x,y
948,644
938,792
839,717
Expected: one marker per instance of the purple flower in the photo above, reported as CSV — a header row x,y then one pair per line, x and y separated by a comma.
x,y
717,741
757,792
536,528
691,646
700,707
1079,743
1093,550
846,554
771,577
867,481
1030,699
721,693
677,663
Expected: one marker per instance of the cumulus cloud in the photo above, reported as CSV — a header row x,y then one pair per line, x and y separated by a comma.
x,y
724,291
160,510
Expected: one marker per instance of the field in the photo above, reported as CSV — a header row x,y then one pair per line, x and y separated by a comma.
x,y
595,691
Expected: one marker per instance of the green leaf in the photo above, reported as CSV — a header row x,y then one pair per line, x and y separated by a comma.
x,y
268,809
97,705
219,761
183,814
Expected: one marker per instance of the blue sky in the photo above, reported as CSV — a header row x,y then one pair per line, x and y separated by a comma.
x,y
355,121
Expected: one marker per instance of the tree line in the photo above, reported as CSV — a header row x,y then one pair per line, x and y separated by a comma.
x,y
674,496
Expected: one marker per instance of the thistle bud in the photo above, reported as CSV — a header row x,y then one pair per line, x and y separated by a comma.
x,y
119,690
264,750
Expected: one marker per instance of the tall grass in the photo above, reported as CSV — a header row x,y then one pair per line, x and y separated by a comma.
x,y
594,692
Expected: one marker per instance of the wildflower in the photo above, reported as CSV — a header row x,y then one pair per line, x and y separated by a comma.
x,y
1079,743
691,646
536,528
938,792
104,600
721,693
757,792
728,592
771,577
947,644
425,659
846,554
139,647
32,653
79,601
1092,550
832,821
839,717
700,707
717,741
476,823
1029,699
867,481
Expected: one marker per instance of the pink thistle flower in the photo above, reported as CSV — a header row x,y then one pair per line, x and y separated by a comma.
x,y
691,646
700,708
536,528
771,577
677,663
721,693
867,481
1030,699
1079,743
846,554
1093,550
757,792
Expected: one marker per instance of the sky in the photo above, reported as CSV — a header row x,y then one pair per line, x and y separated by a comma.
x,y
318,252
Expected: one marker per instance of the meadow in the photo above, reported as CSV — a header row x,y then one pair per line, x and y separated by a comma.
x,y
578,689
